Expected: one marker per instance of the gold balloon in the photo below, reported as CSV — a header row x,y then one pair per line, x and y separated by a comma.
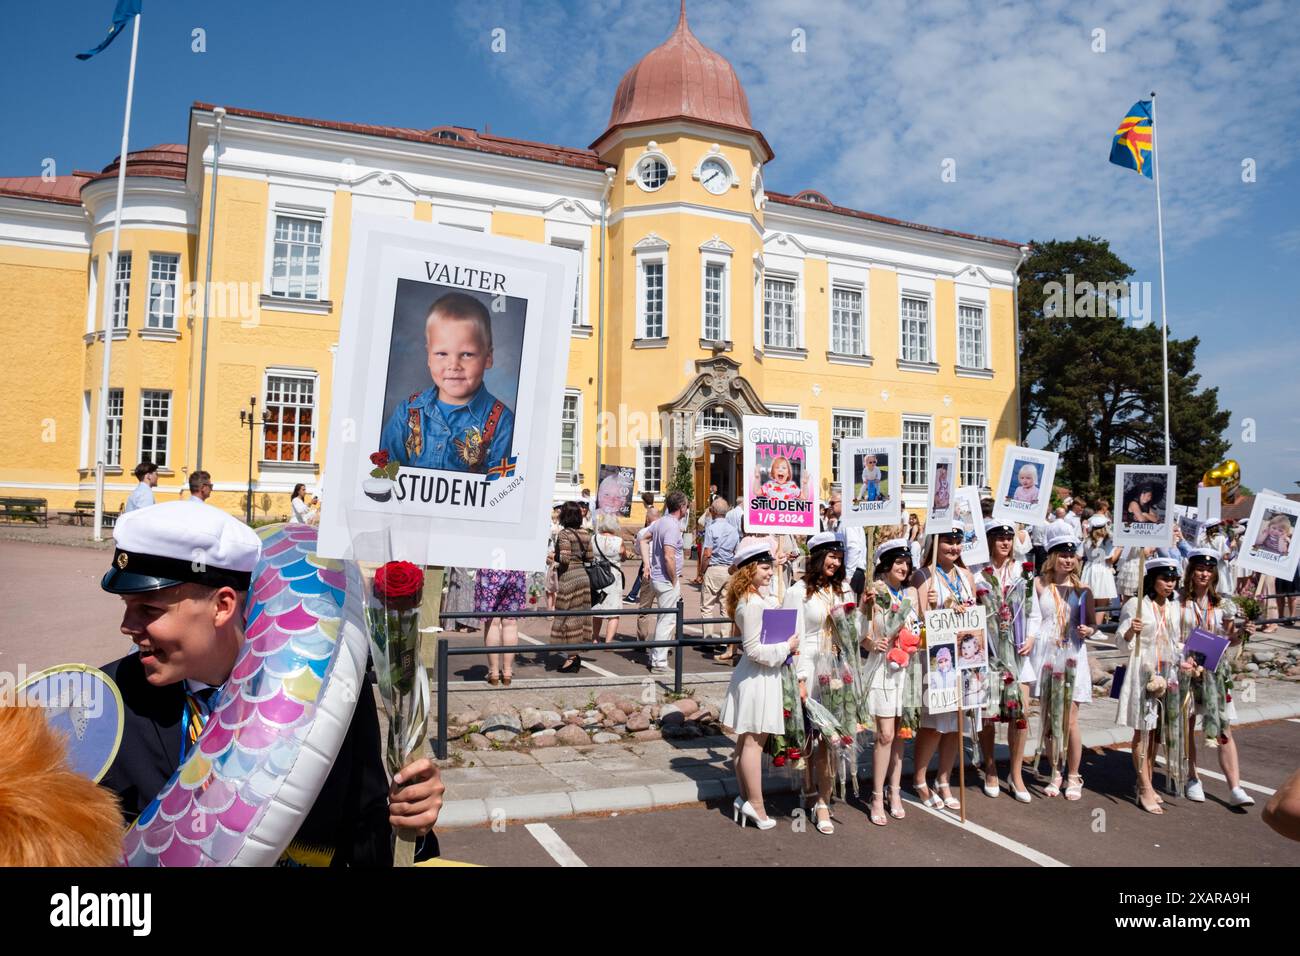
x,y
1225,475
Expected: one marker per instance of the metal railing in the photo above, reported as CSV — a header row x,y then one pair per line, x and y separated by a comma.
x,y
680,641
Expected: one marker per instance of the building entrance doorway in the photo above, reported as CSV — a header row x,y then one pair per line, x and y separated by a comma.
x,y
717,467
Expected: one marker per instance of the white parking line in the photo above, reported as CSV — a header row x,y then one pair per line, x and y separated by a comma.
x,y
586,663
1246,784
560,851
1014,846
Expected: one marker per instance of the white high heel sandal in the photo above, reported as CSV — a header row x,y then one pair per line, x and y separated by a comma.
x,y
747,812
823,826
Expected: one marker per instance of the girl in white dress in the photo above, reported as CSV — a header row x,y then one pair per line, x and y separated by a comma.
x,y
821,590
1150,626
947,584
1098,568
1201,606
1007,568
885,683
1055,637
753,707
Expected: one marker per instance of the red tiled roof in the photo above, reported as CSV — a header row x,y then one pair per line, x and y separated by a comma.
x,y
167,160
61,189
472,139
785,200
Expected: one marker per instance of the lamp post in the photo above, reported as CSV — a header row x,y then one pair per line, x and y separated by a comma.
x,y
250,419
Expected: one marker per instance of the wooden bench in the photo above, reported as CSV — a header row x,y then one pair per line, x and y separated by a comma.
x,y
13,510
81,511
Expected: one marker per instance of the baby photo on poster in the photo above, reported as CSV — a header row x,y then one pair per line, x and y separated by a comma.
x,y
1024,491
1271,545
943,469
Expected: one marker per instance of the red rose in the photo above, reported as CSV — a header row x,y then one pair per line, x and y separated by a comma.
x,y
822,679
786,714
846,740
778,760
1022,724
1027,567
848,678
1007,679
1227,698
399,585
1013,705
794,753
849,606
379,459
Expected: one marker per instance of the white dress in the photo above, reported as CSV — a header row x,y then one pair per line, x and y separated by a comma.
x,y
754,704
816,631
885,684
1045,627
947,723
610,546
1098,576
1160,642
300,511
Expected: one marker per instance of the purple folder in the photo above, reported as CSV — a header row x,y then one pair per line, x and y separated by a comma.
x,y
1211,646
779,624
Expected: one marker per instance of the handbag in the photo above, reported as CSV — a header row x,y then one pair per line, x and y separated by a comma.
x,y
599,573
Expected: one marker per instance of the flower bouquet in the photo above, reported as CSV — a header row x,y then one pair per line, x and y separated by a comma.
x,y
1211,689
787,749
910,721
392,604
904,641
1056,687
1174,708
839,738
852,709
1005,628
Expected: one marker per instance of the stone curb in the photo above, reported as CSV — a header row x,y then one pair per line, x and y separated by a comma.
x,y
458,814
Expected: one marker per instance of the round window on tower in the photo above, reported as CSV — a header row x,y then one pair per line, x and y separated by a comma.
x,y
652,173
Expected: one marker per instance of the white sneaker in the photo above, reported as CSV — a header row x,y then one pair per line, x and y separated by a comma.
x,y
1240,798
1195,792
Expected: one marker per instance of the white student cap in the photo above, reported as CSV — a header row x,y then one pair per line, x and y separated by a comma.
x,y
751,550
173,543
1161,564
998,524
1062,539
1097,521
885,552
826,539
1200,554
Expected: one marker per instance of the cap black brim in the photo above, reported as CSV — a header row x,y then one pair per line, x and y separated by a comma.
x,y
116,581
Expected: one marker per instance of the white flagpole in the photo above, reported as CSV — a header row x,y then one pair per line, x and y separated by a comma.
x,y
110,287
1160,236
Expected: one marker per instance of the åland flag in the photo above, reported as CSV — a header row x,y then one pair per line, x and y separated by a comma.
x,y
122,14
1131,147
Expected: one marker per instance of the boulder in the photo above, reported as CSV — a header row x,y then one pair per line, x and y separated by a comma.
x,y
502,736
607,708
627,705
479,742
531,719
465,718
647,735
571,735
1262,657
608,697
1094,666
566,714
638,722
606,738
686,706
551,720
501,721
616,717
546,738
1252,667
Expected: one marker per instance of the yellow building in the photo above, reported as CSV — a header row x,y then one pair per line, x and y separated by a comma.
x,y
720,298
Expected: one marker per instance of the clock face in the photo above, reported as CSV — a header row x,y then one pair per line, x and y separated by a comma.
x,y
714,177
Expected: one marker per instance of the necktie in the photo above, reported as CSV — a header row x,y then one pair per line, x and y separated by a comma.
x,y
198,706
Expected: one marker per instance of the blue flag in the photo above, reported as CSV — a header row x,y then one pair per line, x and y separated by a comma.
x,y
1131,147
122,14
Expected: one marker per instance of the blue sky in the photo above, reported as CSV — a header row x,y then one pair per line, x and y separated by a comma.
x,y
1020,95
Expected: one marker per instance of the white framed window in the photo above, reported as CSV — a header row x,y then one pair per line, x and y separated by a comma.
x,y
847,337
163,269
578,318
113,450
844,425
121,290
974,453
915,329
972,342
155,419
570,462
714,306
783,411
289,434
653,281
716,420
650,466
916,451
296,257
780,325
